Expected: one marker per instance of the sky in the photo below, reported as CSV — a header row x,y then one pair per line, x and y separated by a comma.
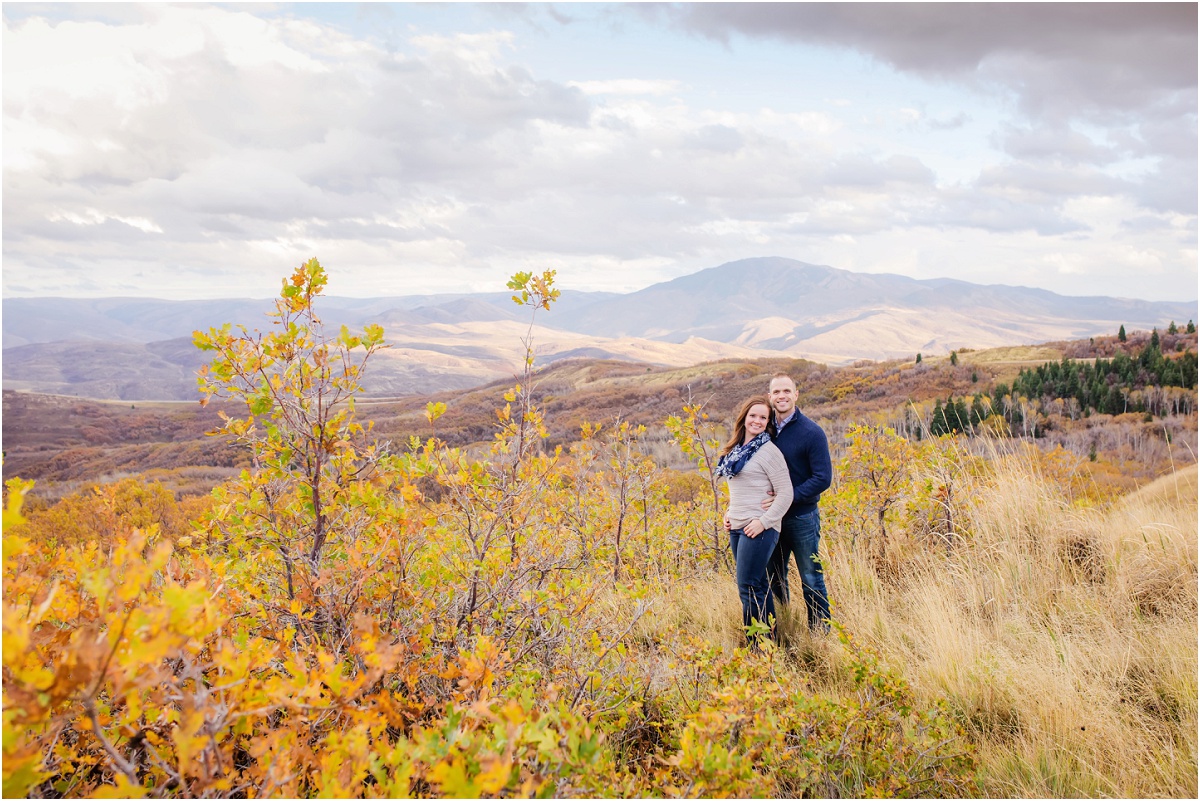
x,y
205,150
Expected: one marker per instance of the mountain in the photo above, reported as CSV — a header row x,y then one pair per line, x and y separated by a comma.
x,y
139,349
163,370
839,316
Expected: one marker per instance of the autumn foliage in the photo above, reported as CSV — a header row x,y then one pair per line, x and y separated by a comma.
x,y
353,617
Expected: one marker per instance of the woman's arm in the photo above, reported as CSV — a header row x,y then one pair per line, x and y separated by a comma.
x,y
781,485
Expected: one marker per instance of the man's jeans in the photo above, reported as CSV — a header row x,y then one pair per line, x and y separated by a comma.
x,y
801,535
751,555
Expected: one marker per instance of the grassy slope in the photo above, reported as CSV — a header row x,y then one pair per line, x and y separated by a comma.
x,y
1063,637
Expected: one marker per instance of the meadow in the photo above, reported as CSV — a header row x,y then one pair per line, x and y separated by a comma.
x,y
351,616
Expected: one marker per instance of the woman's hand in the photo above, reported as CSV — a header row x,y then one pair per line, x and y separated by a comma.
x,y
753,528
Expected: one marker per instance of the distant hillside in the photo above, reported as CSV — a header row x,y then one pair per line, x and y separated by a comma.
x,y
59,439
108,370
33,320
137,349
422,358
838,316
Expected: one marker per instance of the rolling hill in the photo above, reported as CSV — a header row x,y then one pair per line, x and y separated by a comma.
x,y
771,307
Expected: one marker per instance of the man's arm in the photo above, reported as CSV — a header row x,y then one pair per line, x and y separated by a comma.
x,y
809,491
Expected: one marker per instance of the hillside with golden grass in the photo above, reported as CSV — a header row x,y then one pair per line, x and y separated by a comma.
x,y
1062,635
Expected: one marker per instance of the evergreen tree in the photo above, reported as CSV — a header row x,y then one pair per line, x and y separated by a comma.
x,y
998,393
1172,375
918,358
1191,329
1096,395
1121,334
1103,385
1151,356
979,409
962,416
953,358
937,426
1172,328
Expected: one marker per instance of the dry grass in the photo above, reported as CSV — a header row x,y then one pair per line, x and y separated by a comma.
x,y
1017,354
1064,637
706,607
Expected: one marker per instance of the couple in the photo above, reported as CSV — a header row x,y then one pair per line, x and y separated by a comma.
x,y
777,467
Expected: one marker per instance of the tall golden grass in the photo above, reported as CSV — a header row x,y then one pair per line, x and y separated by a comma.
x,y
1063,635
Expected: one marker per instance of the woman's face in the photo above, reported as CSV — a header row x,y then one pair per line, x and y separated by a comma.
x,y
756,419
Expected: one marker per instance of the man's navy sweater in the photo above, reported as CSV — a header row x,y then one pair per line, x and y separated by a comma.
x,y
806,450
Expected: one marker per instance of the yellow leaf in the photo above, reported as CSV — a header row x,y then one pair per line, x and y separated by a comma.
x,y
187,743
21,775
494,776
452,776
122,789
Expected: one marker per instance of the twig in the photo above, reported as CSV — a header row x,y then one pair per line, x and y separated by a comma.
x,y
171,772
120,762
111,654
579,693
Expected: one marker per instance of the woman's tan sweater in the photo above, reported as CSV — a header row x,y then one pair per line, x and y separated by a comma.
x,y
765,471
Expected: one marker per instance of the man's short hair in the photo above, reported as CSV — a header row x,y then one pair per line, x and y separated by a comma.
x,y
782,375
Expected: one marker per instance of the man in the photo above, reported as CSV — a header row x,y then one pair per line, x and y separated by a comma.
x,y
806,451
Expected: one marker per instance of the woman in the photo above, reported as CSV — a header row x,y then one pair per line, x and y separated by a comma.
x,y
755,468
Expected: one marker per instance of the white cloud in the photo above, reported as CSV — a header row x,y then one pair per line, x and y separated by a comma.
x,y
478,51
208,148
627,86
811,123
94,217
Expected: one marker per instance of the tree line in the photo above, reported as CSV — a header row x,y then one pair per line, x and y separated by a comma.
x,y
1150,382
1118,385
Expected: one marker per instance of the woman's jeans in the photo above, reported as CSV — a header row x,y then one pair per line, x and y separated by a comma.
x,y
801,535
751,555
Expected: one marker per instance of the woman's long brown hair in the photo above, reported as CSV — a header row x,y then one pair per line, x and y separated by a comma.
x,y
739,427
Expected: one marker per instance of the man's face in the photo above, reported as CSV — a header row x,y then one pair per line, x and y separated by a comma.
x,y
783,396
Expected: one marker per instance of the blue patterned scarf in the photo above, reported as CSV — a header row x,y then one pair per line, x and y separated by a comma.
x,y
732,463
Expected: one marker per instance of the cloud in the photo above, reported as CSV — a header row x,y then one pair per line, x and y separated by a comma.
x,y
94,217
208,148
1030,182
1061,144
949,124
627,86
1061,59
861,171
1171,187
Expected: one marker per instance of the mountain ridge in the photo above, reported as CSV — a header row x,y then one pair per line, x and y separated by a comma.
x,y
769,306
